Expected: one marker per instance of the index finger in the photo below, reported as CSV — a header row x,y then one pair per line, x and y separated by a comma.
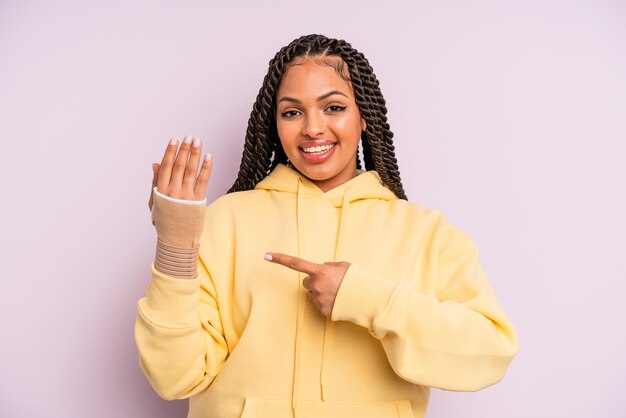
x,y
293,263
166,164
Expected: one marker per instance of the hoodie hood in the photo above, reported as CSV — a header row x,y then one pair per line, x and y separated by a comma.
x,y
366,185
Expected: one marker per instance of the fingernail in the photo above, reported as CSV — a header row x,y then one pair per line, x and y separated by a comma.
x,y
207,157
188,139
173,141
196,142
268,257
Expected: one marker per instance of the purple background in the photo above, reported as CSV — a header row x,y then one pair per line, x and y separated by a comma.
x,y
509,117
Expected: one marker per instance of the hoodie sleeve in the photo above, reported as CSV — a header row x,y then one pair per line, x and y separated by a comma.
x,y
179,334
454,338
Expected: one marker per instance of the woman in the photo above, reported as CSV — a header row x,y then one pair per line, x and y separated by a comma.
x,y
312,289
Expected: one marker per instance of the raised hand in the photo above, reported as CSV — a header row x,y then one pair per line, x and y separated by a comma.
x,y
322,282
177,176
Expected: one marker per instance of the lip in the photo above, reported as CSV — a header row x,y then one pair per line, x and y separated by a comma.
x,y
316,143
317,158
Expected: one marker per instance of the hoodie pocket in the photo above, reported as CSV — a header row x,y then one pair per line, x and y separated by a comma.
x,y
257,407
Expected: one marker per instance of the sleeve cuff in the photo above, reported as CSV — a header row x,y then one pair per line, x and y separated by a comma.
x,y
182,201
361,296
171,302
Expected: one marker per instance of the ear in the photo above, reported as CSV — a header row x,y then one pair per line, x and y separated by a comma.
x,y
363,124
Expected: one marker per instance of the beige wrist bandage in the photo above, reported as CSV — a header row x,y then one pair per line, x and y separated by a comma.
x,y
179,227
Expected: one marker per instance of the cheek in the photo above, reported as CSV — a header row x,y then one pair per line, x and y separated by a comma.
x,y
286,129
349,128
288,135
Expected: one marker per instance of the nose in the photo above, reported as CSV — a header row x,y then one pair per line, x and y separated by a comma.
x,y
314,125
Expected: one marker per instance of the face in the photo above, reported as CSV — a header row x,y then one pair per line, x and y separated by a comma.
x,y
319,123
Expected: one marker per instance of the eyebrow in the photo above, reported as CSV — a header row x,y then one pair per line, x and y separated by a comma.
x,y
319,99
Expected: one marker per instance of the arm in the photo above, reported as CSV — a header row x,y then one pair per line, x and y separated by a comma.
x,y
457,338
179,334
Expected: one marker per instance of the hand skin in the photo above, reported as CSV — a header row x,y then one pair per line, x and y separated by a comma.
x,y
323,280
177,176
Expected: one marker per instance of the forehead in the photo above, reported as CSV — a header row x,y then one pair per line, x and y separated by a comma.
x,y
333,61
314,76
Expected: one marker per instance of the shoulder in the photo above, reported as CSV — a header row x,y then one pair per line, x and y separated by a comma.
x,y
416,212
227,211
433,223
235,198
232,203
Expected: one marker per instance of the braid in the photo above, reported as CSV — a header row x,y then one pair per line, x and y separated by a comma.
x,y
262,148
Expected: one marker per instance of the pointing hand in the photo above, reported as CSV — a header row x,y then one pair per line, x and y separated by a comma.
x,y
322,282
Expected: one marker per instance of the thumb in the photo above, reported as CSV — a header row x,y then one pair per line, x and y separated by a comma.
x,y
155,173
155,176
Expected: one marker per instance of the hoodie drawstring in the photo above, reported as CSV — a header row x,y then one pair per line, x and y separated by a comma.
x,y
297,359
328,329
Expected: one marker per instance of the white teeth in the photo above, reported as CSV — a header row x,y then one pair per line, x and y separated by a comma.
x,y
318,149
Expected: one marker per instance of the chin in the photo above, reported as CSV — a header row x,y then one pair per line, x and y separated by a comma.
x,y
316,171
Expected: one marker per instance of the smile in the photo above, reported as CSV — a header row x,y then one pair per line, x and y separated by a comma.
x,y
318,153
317,150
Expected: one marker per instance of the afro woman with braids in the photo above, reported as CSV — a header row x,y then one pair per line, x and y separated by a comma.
x,y
313,288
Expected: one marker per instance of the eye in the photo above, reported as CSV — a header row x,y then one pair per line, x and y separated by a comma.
x,y
290,114
336,108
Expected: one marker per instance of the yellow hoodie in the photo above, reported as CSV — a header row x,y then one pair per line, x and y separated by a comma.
x,y
414,309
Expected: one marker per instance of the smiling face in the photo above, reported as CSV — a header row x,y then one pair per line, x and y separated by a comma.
x,y
318,122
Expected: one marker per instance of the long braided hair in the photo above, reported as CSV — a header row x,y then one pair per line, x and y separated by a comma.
x,y
262,149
